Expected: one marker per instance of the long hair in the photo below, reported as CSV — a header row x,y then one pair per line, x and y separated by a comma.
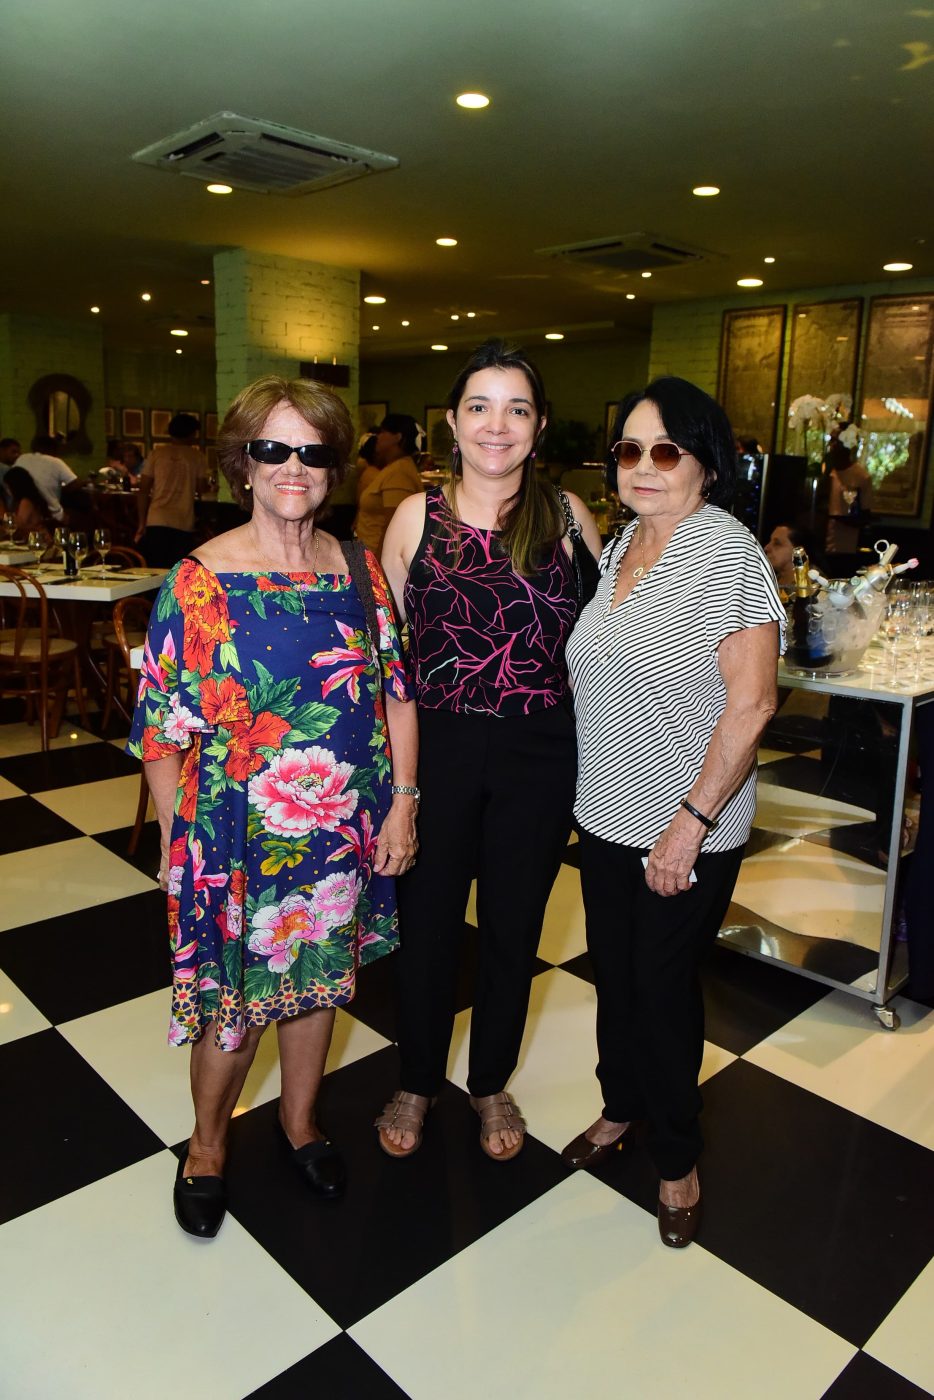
x,y
246,417
532,519
22,487
696,423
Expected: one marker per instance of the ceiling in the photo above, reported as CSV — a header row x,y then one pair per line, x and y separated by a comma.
x,y
813,116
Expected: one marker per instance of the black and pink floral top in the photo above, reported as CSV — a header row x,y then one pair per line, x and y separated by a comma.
x,y
483,639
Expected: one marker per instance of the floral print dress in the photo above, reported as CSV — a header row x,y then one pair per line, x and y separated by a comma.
x,y
269,685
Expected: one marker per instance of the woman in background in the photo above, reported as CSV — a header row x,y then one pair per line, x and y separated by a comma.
x,y
172,476
398,477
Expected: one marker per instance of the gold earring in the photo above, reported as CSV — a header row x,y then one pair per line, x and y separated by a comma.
x,y
248,486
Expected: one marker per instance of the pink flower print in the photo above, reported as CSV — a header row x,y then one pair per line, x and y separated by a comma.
x,y
203,881
356,652
301,790
153,673
280,929
178,1034
175,880
361,844
180,722
229,1037
335,898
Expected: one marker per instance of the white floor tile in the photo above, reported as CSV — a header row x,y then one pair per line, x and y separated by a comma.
x,y
57,879
790,812
903,1342
555,1084
127,1046
18,1016
771,755
575,1296
814,890
16,739
8,790
132,1306
837,1049
93,807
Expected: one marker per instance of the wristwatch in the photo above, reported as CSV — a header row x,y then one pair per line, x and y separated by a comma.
x,y
406,791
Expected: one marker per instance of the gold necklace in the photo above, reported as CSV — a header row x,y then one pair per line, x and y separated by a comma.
x,y
643,568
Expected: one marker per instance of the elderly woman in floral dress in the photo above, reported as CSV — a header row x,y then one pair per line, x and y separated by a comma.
x,y
264,719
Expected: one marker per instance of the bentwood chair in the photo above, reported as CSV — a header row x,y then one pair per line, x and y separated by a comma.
x,y
131,618
36,663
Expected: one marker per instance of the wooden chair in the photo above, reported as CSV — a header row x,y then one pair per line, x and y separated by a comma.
x,y
130,620
36,663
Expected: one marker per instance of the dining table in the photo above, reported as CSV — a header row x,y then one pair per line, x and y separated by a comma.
x,y
16,555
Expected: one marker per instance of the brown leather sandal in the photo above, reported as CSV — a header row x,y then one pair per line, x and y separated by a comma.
x,y
406,1112
499,1112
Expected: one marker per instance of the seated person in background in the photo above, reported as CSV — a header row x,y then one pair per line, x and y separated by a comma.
x,y
132,459
173,473
30,508
850,499
396,442
52,476
113,469
781,543
9,451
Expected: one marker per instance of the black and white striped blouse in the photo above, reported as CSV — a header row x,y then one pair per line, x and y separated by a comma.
x,y
647,689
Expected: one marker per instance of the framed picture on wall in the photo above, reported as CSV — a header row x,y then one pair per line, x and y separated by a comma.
x,y
369,416
895,413
134,423
440,437
210,426
751,345
159,420
110,418
824,353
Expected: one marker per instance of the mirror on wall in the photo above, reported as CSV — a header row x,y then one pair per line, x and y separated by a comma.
x,y
61,404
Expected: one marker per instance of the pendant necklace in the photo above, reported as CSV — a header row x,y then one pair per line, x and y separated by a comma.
x,y
296,588
643,568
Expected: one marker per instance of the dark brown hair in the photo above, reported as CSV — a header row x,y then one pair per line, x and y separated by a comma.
x,y
246,417
532,519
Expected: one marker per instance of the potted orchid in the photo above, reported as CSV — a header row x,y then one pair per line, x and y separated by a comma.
x,y
813,417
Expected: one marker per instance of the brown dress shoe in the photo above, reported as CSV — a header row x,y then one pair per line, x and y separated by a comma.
x,y
677,1225
584,1153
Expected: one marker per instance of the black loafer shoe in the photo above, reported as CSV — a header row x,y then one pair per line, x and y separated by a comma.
x,y
584,1153
320,1164
200,1202
677,1225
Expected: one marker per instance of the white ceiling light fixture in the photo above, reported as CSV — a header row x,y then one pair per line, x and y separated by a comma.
x,y
768,260
375,301
455,316
439,347
219,189
897,267
554,335
406,323
749,282
446,242
95,311
205,281
706,191
471,315
646,274
145,296
178,331
630,296
250,153
179,351
375,328
473,101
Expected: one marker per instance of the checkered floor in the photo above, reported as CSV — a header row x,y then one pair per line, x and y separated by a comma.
x,y
446,1275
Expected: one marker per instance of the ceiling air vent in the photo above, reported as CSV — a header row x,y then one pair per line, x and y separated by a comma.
x,y
261,156
630,252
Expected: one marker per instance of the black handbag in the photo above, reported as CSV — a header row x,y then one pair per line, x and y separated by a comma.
x,y
586,570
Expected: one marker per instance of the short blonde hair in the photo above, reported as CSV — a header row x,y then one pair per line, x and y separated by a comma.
x,y
246,417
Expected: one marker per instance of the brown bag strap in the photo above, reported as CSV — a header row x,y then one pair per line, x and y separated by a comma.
x,y
354,552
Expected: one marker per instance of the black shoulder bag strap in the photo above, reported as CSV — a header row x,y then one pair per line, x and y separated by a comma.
x,y
354,553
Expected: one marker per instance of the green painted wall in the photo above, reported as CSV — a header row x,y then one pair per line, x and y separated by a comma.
x,y
153,379
34,346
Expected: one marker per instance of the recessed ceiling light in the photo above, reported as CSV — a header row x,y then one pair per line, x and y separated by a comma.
x,y
749,282
802,315
455,316
897,267
219,189
376,328
554,335
446,242
145,296
630,296
843,337
179,351
178,331
439,347
473,100
205,281
916,308
406,323
95,310
768,260
646,274
375,301
471,315
705,191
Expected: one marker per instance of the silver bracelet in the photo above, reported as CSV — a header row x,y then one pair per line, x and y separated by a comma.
x,y
406,791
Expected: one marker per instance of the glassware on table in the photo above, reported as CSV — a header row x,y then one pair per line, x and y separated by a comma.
x,y
58,536
9,524
36,542
79,545
102,544
898,630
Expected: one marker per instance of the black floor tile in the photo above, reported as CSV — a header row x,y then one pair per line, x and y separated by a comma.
x,y
340,1370
148,851
135,931
63,1126
860,840
26,823
867,1379
841,782
818,1205
746,999
399,1219
572,856
581,966
86,763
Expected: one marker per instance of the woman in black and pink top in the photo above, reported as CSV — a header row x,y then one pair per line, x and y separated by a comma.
x,y
482,570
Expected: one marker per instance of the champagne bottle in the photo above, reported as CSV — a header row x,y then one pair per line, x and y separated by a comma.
x,y
806,648
68,551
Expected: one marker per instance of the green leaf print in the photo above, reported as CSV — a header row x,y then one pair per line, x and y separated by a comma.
x,y
257,604
229,659
362,779
259,984
263,674
167,605
310,722
282,853
254,824
276,697
233,961
268,896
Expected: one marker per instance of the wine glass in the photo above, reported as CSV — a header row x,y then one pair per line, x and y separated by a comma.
x,y
36,543
898,627
79,545
102,545
9,524
58,536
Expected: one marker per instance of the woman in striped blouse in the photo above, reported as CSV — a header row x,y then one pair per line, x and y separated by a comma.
x,y
674,669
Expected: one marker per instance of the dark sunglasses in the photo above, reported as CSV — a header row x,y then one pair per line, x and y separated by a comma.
x,y
273,454
665,456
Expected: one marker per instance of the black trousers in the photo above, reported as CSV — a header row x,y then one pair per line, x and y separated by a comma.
x,y
645,950
497,794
